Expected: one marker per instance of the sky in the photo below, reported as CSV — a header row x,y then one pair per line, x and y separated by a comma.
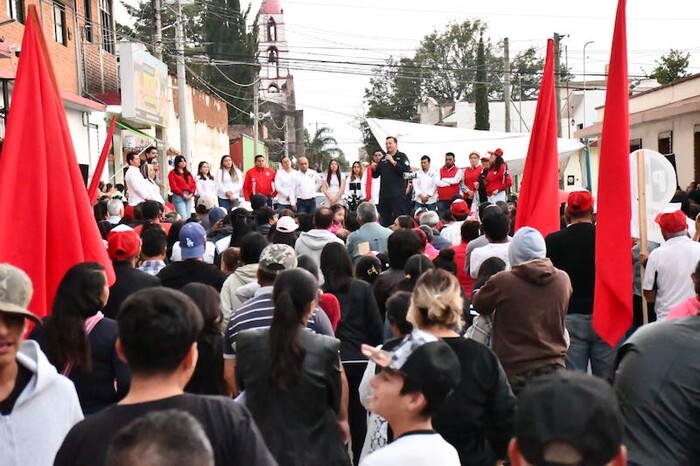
x,y
335,44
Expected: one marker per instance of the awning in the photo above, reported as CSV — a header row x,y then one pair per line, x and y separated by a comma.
x,y
136,131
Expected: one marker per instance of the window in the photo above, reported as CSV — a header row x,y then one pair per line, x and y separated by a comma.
x,y
59,22
107,25
271,31
635,144
88,20
696,150
272,55
15,10
666,142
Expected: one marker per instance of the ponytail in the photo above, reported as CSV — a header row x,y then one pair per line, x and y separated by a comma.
x,y
286,351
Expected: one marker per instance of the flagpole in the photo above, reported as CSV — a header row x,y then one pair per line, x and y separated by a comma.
x,y
643,245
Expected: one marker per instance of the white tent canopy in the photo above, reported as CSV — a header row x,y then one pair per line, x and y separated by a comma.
x,y
416,140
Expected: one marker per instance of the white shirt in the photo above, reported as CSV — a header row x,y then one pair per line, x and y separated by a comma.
x,y
209,252
136,185
376,183
286,186
670,266
453,233
334,186
424,184
479,255
308,184
457,179
416,449
225,183
206,187
154,191
360,194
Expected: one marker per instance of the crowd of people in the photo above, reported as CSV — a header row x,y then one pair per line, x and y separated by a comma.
x,y
403,321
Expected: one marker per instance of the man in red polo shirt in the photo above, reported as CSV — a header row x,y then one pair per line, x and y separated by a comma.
x,y
259,180
448,184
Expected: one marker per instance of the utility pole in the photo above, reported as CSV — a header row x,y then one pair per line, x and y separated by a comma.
x,y
256,111
161,134
506,82
557,79
182,86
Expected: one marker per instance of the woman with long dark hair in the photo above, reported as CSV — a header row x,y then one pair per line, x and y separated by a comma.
x,y
208,376
79,341
360,323
206,186
496,177
355,186
183,186
229,182
292,380
333,186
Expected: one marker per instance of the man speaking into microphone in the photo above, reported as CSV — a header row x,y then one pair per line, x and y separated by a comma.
x,y
393,188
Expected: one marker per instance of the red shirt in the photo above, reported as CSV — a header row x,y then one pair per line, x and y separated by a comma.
x,y
465,280
179,184
471,176
258,181
495,180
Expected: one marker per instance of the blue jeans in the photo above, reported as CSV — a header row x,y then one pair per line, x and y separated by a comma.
x,y
432,206
587,346
182,207
284,206
227,204
306,206
443,207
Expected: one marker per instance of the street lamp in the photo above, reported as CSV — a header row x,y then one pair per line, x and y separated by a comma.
x,y
589,185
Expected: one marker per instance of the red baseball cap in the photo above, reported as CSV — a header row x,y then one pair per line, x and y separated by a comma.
x,y
579,201
122,243
498,152
672,222
459,208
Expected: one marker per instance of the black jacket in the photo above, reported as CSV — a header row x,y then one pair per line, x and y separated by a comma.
x,y
360,321
178,274
393,183
299,425
129,280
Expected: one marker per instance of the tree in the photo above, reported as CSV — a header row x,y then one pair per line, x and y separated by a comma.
x,y
481,94
219,50
670,67
322,148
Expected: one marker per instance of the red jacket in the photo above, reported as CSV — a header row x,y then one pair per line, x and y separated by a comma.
x,y
179,184
495,180
471,176
447,193
258,181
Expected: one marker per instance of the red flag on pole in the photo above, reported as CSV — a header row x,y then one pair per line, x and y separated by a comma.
x,y
538,204
92,190
47,221
612,308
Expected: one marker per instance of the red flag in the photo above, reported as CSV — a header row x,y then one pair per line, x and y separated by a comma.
x,y
92,190
612,308
47,221
538,204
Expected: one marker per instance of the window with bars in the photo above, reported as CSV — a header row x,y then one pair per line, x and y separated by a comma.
x,y
15,10
59,22
107,25
88,20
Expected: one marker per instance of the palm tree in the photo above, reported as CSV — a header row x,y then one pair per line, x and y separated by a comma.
x,y
322,148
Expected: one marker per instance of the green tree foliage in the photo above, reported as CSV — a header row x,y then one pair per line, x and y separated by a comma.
x,y
670,67
219,49
322,148
481,93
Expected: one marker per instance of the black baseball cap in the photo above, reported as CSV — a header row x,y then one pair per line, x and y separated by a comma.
x,y
429,363
572,408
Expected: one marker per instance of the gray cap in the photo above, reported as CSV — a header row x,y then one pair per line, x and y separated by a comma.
x,y
15,291
277,257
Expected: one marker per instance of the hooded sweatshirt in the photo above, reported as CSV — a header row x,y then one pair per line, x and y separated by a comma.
x,y
45,411
530,303
230,300
311,244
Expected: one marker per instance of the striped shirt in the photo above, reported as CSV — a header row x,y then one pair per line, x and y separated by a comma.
x,y
257,312
152,266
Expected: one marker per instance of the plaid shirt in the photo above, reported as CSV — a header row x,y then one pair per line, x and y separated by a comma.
x,y
152,267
